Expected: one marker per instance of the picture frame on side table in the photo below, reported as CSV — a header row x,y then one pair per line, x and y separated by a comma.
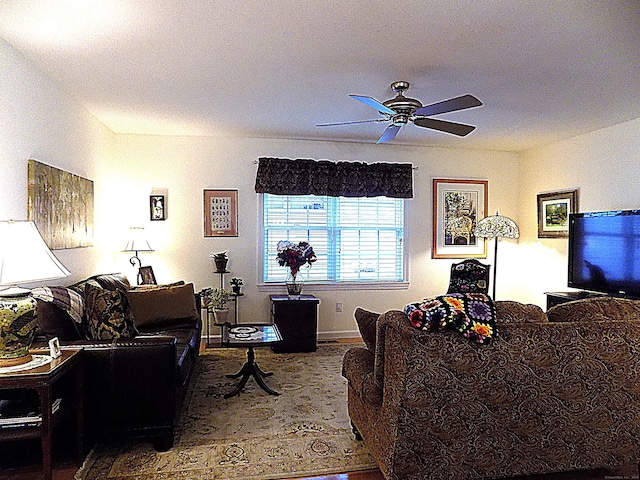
x,y
147,277
458,205
54,348
553,213
157,207
220,213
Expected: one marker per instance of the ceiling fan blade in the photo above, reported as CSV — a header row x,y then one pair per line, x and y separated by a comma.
x,y
459,103
350,123
459,129
373,103
389,134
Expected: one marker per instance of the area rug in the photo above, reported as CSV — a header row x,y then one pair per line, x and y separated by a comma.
x,y
305,431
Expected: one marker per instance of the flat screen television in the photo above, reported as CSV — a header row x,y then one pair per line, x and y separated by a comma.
x,y
604,252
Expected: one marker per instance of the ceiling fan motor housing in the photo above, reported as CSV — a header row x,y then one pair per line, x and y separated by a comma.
x,y
402,104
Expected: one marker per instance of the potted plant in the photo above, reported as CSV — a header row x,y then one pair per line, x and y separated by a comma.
x,y
236,285
220,260
216,301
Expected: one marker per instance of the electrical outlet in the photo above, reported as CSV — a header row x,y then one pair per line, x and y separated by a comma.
x,y
338,306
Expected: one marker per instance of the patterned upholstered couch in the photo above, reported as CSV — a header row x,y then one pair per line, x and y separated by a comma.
x,y
544,396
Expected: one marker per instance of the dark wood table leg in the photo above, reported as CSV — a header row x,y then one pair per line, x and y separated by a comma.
x,y
250,369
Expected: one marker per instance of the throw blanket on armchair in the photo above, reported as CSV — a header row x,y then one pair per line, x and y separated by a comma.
x,y
471,314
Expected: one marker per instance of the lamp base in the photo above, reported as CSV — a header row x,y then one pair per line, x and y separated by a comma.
x,y
18,323
12,362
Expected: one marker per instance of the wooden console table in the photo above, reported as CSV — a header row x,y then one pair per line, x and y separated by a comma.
x,y
58,381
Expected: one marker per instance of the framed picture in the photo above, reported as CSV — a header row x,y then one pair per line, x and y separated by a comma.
x,y
553,213
54,348
147,277
457,207
157,207
221,213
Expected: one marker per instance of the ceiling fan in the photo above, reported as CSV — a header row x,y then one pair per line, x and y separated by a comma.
x,y
401,110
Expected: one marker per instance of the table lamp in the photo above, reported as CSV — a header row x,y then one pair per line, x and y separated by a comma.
x,y
496,226
24,258
137,243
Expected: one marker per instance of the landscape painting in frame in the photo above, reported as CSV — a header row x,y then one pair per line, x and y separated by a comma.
x,y
553,213
61,205
221,213
458,205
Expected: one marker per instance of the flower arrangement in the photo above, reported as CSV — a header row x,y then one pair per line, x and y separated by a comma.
x,y
215,298
236,282
294,255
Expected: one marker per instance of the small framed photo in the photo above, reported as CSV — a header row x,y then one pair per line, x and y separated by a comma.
x,y
147,277
553,213
157,206
221,213
54,347
458,205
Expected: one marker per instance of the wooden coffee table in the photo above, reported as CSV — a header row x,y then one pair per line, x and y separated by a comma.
x,y
250,336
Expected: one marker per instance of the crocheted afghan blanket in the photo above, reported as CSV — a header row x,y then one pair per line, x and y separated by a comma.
x,y
473,315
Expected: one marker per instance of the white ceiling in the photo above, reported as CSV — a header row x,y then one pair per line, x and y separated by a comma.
x,y
545,69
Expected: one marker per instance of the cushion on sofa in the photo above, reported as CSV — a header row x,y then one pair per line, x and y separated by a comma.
x,y
108,314
162,306
108,281
595,309
508,311
367,322
53,321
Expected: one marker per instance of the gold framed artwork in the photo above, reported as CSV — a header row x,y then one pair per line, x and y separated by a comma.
x,y
61,205
553,213
220,213
458,205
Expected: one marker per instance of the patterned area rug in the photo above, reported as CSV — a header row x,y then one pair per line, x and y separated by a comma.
x,y
303,432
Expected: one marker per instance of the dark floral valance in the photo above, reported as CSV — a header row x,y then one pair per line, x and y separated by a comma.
x,y
282,176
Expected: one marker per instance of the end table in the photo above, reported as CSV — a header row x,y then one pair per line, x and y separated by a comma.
x,y
58,382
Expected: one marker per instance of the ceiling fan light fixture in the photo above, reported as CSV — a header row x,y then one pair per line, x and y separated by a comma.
x,y
400,110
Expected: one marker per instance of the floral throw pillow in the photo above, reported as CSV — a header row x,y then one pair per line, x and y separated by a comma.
x,y
473,315
108,314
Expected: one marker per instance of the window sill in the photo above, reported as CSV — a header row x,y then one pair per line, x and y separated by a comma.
x,y
318,287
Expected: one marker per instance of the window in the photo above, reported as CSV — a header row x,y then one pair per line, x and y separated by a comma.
x,y
355,239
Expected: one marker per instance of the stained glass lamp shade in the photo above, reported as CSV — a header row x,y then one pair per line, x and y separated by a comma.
x,y
24,258
496,226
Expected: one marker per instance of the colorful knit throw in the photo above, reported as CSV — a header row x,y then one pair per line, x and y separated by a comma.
x,y
471,314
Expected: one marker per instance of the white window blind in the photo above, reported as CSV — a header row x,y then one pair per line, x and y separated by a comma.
x,y
355,239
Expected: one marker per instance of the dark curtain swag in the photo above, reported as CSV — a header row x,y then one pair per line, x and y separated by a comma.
x,y
282,176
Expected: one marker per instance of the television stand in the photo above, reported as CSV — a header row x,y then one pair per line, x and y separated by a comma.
x,y
556,298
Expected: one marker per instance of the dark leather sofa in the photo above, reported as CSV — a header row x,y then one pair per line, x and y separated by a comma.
x,y
134,386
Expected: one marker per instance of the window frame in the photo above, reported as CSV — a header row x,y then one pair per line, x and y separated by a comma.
x,y
276,287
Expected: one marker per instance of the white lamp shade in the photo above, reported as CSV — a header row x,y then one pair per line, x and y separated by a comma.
x,y
24,255
137,241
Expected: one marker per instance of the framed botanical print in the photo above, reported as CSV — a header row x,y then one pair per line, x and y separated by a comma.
x,y
221,213
553,213
458,205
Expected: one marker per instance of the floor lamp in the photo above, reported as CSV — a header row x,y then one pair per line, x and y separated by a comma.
x,y
496,226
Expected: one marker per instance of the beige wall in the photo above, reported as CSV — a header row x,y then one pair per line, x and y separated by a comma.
x,y
187,165
37,120
603,166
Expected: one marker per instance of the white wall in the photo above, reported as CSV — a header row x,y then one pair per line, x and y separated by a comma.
x,y
39,121
603,166
187,165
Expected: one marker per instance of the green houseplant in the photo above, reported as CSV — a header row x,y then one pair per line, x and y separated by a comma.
x,y
216,301
236,285
220,259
